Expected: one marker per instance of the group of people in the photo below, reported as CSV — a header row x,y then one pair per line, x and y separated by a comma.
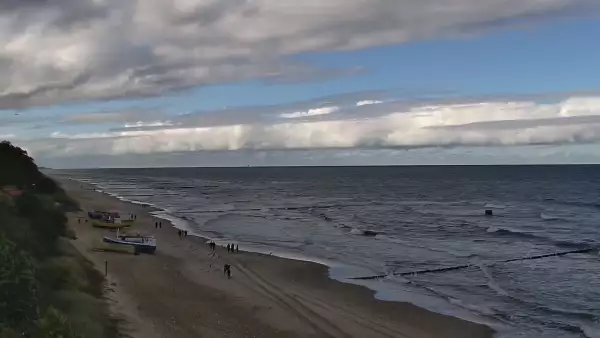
x,y
182,233
132,216
212,245
232,248
157,225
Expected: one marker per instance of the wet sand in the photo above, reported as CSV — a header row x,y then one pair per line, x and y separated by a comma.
x,y
181,291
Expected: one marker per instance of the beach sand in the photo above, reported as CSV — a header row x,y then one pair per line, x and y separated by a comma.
x,y
181,291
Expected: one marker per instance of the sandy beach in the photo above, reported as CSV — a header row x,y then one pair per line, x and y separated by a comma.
x,y
181,290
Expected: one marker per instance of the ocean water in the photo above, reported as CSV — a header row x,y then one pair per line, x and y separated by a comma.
x,y
364,221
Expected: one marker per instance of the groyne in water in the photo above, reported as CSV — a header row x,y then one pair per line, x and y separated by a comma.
x,y
465,266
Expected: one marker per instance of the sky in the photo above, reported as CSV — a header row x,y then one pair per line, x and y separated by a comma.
x,y
151,83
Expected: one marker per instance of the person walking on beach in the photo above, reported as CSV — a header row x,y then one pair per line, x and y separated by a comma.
x,y
228,248
237,248
160,225
227,270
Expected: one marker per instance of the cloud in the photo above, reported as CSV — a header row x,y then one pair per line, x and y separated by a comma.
x,y
62,50
489,124
310,112
367,102
127,116
142,124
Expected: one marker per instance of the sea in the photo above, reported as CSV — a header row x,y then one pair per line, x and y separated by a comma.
x,y
400,223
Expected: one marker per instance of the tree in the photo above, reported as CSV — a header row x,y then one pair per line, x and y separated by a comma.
x,y
46,185
17,167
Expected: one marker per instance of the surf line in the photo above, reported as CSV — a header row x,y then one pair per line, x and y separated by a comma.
x,y
465,266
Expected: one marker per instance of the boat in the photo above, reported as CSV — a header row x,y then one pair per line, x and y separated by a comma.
x,y
141,243
112,225
109,220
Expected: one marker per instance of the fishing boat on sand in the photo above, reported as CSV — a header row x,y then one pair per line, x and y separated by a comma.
x,y
109,220
141,243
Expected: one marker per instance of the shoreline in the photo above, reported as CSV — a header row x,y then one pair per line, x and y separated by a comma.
x,y
268,296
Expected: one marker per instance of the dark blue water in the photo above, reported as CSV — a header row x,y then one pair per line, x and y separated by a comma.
x,y
386,220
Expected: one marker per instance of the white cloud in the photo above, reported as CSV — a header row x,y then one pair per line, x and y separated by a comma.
x,y
572,121
367,102
97,49
148,124
310,112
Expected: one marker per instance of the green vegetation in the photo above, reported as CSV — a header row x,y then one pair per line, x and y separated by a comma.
x,y
47,290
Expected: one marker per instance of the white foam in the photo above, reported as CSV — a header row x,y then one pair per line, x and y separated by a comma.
x,y
356,231
591,330
491,282
548,217
494,206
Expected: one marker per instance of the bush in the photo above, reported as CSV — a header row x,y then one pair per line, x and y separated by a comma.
x,y
18,287
87,314
46,222
9,333
53,324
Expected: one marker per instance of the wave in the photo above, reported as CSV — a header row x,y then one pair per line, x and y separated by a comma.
x,y
548,217
365,232
491,281
102,189
212,221
412,244
324,217
589,331
516,233
472,307
555,310
573,203
494,206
